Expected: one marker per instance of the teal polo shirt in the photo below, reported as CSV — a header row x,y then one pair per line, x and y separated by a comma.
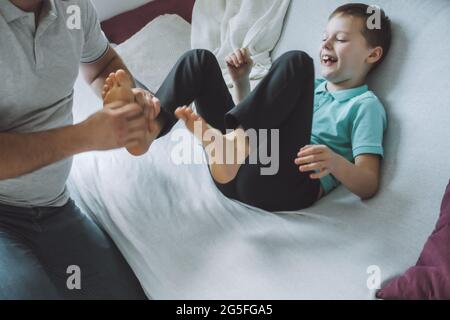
x,y
350,122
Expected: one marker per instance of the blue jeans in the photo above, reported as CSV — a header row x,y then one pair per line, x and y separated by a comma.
x,y
39,246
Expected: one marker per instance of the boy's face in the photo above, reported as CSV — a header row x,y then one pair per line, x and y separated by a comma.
x,y
345,54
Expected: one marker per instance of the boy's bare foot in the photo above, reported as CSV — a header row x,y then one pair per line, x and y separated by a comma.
x,y
226,153
118,87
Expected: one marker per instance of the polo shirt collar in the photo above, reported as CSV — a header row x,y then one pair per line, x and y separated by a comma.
x,y
50,8
343,95
10,12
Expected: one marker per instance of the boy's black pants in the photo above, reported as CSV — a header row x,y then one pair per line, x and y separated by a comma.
x,y
283,100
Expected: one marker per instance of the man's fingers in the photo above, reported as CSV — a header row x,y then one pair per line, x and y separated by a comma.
x,y
137,125
145,102
150,104
137,135
116,105
140,99
130,111
132,144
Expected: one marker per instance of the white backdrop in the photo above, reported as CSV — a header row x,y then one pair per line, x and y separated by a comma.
x,y
109,8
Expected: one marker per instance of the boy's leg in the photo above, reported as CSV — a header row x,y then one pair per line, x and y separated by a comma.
x,y
195,77
288,88
284,100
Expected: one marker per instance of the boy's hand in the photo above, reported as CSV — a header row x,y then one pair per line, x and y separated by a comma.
x,y
239,65
317,157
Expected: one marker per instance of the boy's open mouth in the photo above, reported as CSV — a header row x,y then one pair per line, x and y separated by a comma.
x,y
328,60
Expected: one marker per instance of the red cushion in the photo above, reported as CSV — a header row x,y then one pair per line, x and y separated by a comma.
x,y
430,277
120,28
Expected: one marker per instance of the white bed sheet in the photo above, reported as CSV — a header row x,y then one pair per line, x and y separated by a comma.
x,y
185,240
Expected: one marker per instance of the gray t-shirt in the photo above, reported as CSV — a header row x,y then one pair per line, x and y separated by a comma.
x,y
39,69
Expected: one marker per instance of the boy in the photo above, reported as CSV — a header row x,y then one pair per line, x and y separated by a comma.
x,y
342,145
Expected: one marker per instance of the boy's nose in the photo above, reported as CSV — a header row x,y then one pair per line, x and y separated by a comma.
x,y
327,44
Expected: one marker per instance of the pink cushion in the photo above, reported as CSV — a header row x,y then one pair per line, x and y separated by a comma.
x,y
430,278
120,28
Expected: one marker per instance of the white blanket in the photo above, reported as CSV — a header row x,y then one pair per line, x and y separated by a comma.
x,y
185,240
223,26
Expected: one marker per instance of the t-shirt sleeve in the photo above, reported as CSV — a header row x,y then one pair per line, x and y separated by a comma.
x,y
95,41
368,128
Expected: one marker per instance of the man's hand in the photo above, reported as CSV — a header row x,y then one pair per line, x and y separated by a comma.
x,y
150,105
239,65
115,126
317,157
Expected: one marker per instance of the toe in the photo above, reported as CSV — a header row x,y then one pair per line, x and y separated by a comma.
x,y
123,79
111,81
179,113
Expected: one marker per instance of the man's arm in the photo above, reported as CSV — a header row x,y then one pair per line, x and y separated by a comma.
x,y
113,127
25,153
95,73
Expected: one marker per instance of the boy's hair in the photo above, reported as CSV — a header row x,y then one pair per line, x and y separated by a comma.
x,y
375,37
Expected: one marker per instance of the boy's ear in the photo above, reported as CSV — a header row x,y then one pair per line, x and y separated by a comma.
x,y
375,55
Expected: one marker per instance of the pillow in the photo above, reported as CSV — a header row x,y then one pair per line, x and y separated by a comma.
x,y
106,10
120,28
430,278
152,52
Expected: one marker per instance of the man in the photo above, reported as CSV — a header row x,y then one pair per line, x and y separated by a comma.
x,y
48,248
